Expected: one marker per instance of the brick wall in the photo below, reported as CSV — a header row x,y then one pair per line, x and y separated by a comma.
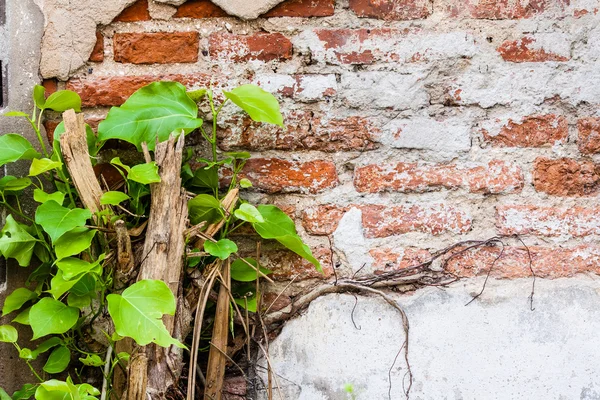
x,y
411,124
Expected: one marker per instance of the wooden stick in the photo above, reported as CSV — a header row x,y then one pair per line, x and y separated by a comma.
x,y
215,373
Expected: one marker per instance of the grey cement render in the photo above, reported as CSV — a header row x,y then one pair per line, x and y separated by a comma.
x,y
495,348
20,40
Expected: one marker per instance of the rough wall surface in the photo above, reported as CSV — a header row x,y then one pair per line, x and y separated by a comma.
x,y
411,125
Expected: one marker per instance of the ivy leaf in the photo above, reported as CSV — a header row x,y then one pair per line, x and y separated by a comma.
x,y
73,267
80,302
54,390
113,198
204,207
38,96
23,317
58,220
4,395
249,213
206,178
260,105
41,197
10,183
51,316
92,360
8,334
153,111
16,114
238,155
58,360
16,299
59,285
242,272
144,173
85,286
245,183
222,249
247,303
137,312
74,242
16,242
197,95
25,392
46,345
63,100
278,226
14,147
41,165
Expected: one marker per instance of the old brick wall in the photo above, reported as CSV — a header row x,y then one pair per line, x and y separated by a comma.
x,y
411,124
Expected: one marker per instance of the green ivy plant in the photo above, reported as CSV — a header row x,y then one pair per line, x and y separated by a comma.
x,y
72,281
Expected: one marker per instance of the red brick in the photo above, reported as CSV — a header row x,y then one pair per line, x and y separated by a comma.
x,y
392,9
287,265
274,301
200,9
566,177
547,262
386,260
51,86
274,175
547,221
524,50
588,139
532,131
382,221
98,51
303,131
302,8
138,11
258,46
156,48
113,91
497,9
496,177
323,219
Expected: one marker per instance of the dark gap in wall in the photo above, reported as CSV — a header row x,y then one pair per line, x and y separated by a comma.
x,y
2,12
3,85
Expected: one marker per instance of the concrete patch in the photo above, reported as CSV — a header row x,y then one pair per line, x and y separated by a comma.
x,y
495,348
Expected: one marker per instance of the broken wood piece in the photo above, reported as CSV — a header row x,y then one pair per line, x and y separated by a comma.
x,y
125,257
74,147
138,379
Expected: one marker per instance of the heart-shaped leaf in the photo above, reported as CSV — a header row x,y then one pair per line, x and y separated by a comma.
x,y
41,165
204,207
16,299
221,249
16,242
10,183
51,316
58,220
260,105
144,173
41,197
8,334
58,360
74,242
113,198
153,111
249,213
63,100
92,360
25,393
278,226
39,97
14,147
242,272
137,312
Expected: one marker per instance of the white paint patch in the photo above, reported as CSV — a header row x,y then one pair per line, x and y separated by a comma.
x,y
349,238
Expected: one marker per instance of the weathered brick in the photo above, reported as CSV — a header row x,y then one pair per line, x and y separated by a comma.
x,y
448,136
588,139
199,9
98,51
547,262
156,48
303,131
287,265
322,219
301,87
392,9
382,221
138,11
547,221
235,388
274,301
532,131
382,89
497,9
258,46
274,175
566,177
532,49
386,259
368,46
302,8
113,91
51,86
495,177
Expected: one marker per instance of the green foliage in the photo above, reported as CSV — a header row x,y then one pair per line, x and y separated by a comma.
x,y
154,111
72,283
137,312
